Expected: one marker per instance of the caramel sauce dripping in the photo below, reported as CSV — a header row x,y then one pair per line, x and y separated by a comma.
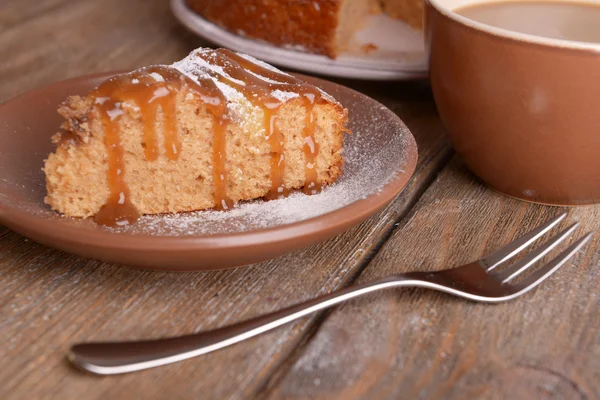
x,y
154,88
259,93
276,141
215,101
148,92
118,210
311,149
217,104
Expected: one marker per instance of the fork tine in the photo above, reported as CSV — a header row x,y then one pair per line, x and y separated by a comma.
x,y
516,246
540,275
526,262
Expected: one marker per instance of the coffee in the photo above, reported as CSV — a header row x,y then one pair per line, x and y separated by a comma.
x,y
551,19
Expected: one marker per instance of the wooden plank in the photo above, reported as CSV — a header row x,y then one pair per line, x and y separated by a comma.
x,y
49,40
417,344
50,299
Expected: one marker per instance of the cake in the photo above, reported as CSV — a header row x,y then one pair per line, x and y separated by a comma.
x,y
206,132
318,26
410,11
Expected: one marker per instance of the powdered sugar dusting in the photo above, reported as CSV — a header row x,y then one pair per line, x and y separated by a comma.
x,y
197,68
284,96
157,77
272,68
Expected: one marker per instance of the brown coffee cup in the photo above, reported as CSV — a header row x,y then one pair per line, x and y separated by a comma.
x,y
522,111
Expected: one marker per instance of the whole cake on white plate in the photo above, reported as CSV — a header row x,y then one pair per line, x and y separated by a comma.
x,y
318,26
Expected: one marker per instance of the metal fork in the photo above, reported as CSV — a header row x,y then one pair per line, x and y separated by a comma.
x,y
474,281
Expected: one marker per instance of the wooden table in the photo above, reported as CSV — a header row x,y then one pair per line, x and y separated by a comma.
x,y
400,344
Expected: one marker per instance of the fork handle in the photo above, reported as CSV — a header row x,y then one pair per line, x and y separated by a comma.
x,y
108,358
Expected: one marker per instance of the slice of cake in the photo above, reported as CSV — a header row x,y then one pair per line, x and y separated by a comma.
x,y
208,131
318,26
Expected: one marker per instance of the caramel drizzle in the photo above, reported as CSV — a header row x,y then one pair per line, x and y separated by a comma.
x,y
143,90
149,92
216,103
118,210
259,93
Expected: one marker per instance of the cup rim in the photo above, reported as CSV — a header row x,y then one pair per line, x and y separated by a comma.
x,y
518,36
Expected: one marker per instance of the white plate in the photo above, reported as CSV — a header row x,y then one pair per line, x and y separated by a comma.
x,y
400,52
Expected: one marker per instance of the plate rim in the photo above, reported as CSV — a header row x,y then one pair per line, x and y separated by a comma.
x,y
286,57
330,223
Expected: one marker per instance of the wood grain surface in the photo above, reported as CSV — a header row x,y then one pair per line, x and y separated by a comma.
x,y
52,299
409,344
417,344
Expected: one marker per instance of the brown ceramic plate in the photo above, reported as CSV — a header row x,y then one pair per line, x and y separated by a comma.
x,y
380,154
